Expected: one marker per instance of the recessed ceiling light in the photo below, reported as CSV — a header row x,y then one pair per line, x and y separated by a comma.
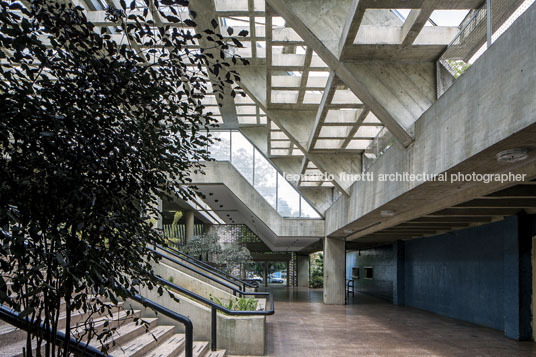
x,y
387,213
512,155
348,231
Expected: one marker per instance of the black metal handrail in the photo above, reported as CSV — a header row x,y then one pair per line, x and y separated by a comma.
x,y
203,274
25,323
215,307
13,317
188,326
205,266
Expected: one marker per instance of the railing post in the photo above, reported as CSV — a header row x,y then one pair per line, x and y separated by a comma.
x,y
489,23
189,347
213,342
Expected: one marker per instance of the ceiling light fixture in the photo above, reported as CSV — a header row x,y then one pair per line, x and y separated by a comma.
x,y
512,155
387,213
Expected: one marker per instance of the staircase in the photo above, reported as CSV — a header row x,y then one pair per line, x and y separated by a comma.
x,y
131,338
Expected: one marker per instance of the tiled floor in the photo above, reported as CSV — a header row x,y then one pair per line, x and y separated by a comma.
x,y
304,326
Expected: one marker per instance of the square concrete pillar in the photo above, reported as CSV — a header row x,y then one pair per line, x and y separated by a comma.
x,y
334,271
303,270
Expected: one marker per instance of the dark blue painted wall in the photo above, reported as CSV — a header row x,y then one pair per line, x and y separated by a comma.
x,y
382,261
481,275
460,274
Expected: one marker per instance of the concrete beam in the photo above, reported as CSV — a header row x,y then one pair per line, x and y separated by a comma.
x,y
493,103
389,118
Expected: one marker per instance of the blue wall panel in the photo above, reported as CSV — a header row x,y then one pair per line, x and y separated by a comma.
x,y
461,274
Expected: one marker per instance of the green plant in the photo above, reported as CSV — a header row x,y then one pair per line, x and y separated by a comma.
x,y
239,304
316,279
95,126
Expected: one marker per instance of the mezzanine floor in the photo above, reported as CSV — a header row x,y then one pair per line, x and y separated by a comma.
x,y
304,326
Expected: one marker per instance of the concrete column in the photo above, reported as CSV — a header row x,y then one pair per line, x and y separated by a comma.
x,y
334,269
189,219
398,281
303,270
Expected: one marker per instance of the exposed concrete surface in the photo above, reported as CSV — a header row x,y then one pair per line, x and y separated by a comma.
x,y
303,270
493,101
223,173
334,271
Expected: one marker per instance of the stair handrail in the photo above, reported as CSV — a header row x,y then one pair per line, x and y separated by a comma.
x,y
203,274
177,253
215,307
188,325
58,338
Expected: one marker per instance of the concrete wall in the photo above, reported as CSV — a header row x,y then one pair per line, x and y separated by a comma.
x,y
482,275
381,259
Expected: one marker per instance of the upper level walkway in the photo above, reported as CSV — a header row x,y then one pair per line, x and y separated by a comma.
x,y
304,326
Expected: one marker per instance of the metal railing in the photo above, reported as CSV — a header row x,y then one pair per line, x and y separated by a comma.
x,y
188,326
58,338
13,318
207,267
215,307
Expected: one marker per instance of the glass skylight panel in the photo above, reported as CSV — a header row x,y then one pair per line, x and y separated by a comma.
x,y
247,120
284,96
448,17
286,81
334,131
371,119
231,5
315,81
358,144
328,144
368,131
316,62
297,152
345,96
342,115
312,97
278,135
246,109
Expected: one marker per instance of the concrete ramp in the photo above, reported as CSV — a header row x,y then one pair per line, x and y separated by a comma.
x,y
236,201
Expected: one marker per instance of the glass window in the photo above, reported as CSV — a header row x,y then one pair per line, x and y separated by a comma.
x,y
221,150
265,176
307,210
242,155
288,199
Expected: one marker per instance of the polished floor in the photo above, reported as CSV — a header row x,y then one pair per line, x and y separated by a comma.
x,y
304,326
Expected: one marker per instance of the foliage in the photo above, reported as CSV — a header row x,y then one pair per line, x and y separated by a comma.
x,y
233,256
317,270
203,246
458,66
208,248
95,125
239,304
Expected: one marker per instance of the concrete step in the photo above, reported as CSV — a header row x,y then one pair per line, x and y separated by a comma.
x,y
217,353
200,349
126,333
143,344
170,347
118,319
